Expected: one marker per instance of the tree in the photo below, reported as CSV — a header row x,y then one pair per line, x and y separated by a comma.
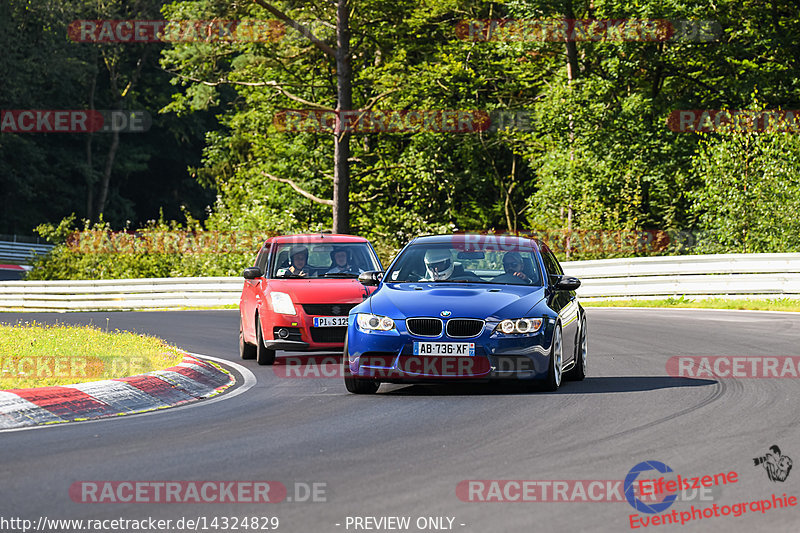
x,y
124,177
750,192
344,102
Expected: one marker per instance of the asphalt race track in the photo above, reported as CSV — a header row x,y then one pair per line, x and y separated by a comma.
x,y
404,451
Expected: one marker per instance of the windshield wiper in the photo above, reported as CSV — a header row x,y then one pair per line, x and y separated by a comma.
x,y
339,275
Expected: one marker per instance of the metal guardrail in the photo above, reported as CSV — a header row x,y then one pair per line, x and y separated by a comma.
x,y
732,276
119,294
697,276
21,252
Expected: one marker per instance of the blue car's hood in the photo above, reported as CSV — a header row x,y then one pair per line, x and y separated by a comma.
x,y
473,300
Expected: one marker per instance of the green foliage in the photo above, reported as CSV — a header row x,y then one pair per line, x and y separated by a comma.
x,y
160,249
750,193
598,158
46,176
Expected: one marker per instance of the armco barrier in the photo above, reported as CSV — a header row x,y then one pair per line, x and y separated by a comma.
x,y
21,252
696,276
119,294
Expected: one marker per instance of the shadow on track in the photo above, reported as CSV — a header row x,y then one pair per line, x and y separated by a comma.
x,y
591,385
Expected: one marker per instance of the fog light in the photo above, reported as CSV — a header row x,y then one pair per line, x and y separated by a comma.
x,y
283,333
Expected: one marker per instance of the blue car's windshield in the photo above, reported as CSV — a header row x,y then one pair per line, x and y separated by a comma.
x,y
453,263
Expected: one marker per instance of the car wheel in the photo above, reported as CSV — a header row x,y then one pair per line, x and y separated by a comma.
x,y
553,380
352,383
264,356
578,372
246,350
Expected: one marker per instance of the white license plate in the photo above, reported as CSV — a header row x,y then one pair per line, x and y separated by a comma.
x,y
444,348
329,321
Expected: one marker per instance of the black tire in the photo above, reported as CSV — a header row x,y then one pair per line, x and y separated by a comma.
x,y
554,376
352,383
578,372
246,350
264,356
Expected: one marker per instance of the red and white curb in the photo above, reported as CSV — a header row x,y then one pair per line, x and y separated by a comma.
x,y
20,268
191,380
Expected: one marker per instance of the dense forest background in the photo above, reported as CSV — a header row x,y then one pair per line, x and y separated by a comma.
x,y
597,155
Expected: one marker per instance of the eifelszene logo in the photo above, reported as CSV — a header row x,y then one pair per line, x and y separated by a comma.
x,y
630,484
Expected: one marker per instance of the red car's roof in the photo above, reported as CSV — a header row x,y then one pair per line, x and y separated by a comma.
x,y
316,238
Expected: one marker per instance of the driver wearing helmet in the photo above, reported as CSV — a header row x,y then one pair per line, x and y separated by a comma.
x,y
439,264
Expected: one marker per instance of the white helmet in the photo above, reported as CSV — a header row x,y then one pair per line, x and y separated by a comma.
x,y
439,263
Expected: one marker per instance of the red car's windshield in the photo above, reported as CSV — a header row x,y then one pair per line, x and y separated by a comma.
x,y
322,260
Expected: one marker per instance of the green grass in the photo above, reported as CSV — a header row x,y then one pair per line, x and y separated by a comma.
x,y
37,355
778,304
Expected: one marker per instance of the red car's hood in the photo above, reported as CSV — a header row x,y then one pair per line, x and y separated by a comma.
x,y
322,291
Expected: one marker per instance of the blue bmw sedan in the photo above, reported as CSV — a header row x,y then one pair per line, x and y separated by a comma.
x,y
467,307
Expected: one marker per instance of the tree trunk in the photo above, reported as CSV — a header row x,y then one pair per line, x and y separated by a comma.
x,y
341,147
104,184
89,162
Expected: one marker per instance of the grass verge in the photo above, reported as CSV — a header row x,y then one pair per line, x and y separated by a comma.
x,y
777,304
38,355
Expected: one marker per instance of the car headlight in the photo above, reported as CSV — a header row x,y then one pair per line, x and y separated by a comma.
x,y
282,303
368,321
520,326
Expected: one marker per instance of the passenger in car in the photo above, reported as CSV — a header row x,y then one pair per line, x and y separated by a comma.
x,y
513,266
340,262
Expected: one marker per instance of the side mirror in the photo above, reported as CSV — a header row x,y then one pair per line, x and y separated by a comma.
x,y
370,278
567,283
252,273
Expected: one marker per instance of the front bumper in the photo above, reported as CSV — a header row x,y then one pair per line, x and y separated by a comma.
x,y
389,355
303,336
299,346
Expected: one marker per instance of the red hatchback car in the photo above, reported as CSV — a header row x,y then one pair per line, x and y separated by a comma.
x,y
299,292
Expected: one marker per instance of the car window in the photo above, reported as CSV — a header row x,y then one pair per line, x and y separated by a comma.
x,y
322,260
550,262
452,262
261,259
